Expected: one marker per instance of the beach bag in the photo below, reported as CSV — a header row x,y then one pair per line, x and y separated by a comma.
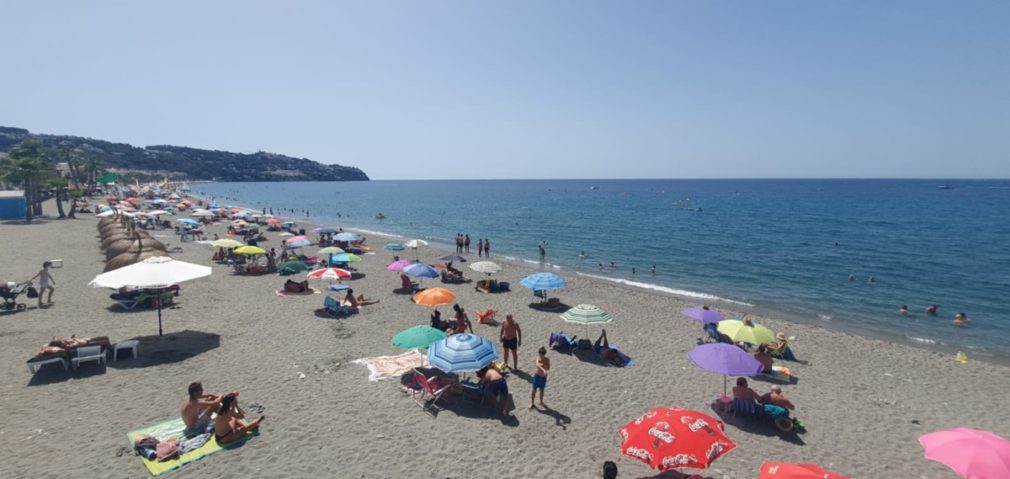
x,y
32,292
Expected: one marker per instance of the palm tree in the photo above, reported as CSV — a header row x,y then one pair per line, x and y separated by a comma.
x,y
23,166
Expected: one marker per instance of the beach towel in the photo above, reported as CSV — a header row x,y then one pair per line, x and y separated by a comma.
x,y
282,293
627,360
780,375
385,367
173,428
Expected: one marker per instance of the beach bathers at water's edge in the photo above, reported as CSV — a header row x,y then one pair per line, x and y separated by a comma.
x,y
539,382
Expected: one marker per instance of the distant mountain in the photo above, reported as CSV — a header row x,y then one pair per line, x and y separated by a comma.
x,y
181,163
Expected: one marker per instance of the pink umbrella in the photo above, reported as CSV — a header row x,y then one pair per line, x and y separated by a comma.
x,y
297,241
329,273
399,265
971,453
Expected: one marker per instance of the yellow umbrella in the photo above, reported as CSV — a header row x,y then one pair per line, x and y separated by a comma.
x,y
751,333
250,250
225,243
434,297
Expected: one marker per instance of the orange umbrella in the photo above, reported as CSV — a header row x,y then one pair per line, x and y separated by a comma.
x,y
782,470
434,297
235,210
273,221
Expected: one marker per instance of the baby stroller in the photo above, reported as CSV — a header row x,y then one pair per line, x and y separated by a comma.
x,y
10,296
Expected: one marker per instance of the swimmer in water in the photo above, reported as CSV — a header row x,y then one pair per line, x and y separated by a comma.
x,y
582,254
653,269
903,310
871,280
960,320
931,309
852,277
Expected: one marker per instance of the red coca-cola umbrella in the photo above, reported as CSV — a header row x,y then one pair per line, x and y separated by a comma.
x,y
666,438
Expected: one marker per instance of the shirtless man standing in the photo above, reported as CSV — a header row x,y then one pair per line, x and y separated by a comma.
x,y
540,377
511,338
197,409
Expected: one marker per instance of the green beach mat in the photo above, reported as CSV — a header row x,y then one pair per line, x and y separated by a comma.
x,y
174,428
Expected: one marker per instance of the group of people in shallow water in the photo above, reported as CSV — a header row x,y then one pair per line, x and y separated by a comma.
x,y
960,319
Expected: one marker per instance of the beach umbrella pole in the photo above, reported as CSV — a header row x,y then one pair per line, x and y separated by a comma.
x,y
159,316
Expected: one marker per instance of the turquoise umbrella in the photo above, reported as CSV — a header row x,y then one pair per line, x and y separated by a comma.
x,y
417,337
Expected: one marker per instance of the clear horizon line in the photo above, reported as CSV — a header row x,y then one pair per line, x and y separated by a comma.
x,y
765,178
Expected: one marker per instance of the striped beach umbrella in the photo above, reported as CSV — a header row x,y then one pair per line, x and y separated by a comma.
x,y
543,281
393,247
329,273
461,353
586,314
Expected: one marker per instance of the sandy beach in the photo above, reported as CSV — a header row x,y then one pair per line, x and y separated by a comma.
x,y
864,401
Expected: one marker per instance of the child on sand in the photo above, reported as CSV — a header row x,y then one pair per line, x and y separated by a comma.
x,y
540,377
46,282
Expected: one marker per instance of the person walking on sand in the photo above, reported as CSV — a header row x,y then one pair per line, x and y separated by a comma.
x,y
46,282
511,338
540,377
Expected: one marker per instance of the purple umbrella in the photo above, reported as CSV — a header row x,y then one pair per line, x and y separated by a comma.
x,y
725,359
705,315
399,265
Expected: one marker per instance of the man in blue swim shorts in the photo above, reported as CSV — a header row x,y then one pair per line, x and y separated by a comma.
x,y
540,377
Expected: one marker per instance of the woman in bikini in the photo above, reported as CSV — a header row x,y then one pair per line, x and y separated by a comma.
x,y
229,425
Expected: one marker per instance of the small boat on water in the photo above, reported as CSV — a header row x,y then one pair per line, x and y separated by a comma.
x,y
380,216
945,187
594,187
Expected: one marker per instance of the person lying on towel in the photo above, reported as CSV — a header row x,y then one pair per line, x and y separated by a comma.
x,y
354,302
602,347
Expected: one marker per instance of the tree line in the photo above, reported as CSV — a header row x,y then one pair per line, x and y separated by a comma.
x,y
31,167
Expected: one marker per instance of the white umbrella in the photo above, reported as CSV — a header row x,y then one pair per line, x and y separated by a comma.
x,y
202,213
105,214
156,272
414,244
486,267
157,212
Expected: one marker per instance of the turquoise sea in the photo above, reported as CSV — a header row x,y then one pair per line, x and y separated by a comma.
x,y
781,247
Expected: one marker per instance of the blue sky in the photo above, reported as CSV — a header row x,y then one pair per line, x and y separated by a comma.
x,y
540,89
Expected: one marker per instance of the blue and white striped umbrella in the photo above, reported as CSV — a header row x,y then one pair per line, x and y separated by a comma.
x,y
421,270
461,353
542,281
393,247
347,237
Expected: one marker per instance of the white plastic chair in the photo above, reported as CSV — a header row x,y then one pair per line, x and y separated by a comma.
x,y
88,353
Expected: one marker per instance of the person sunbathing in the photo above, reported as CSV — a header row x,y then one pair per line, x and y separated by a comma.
x,y
360,300
764,358
197,410
602,347
776,399
462,322
742,391
229,425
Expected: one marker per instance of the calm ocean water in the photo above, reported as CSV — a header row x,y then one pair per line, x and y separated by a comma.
x,y
784,247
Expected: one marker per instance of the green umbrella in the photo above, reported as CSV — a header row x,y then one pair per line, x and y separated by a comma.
x,y
329,251
292,267
586,314
417,337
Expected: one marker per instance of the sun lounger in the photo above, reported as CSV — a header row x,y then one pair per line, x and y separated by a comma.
x,y
85,354
560,342
35,365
